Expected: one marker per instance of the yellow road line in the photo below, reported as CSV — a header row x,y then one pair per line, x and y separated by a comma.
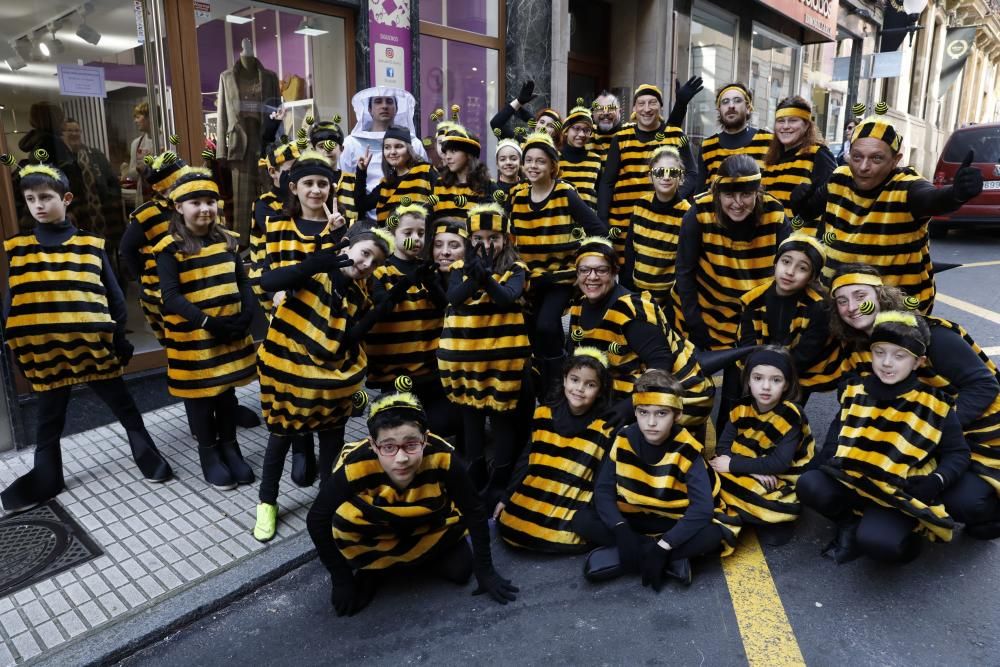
x,y
970,308
992,262
767,635
992,351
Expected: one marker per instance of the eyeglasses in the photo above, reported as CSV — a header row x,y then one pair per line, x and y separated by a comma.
x,y
392,448
666,172
584,271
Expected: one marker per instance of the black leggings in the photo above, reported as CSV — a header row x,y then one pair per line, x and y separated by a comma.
x,y
548,306
330,444
730,394
882,533
588,525
504,429
442,417
45,479
213,418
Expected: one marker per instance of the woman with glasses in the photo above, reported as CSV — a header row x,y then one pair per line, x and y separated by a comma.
x,y
726,248
401,499
631,330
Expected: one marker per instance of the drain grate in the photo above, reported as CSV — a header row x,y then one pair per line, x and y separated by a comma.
x,y
39,544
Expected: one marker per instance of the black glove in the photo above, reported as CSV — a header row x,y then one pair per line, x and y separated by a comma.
x,y
620,414
398,291
654,561
499,589
924,487
527,92
968,179
123,348
629,545
799,197
427,273
489,256
687,92
476,271
351,593
221,328
243,320
326,260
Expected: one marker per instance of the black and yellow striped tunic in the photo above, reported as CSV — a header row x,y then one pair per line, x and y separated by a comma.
x,y
583,175
153,217
713,153
448,200
756,436
484,349
544,233
883,443
824,373
404,342
285,245
653,236
198,365
625,364
562,468
307,372
648,493
728,267
632,181
346,184
600,143
266,206
382,526
59,326
878,228
415,184
793,169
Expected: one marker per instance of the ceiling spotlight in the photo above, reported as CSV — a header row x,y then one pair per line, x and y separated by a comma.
x,y
88,34
52,45
309,29
16,62
238,20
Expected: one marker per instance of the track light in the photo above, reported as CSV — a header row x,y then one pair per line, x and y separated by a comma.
x,y
88,34
14,60
309,29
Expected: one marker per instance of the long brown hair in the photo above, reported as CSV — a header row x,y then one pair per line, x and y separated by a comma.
x,y
478,179
810,137
189,244
889,298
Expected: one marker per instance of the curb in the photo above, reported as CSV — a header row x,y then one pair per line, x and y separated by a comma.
x,y
152,622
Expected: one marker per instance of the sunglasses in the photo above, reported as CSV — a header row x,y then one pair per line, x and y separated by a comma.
x,y
666,172
606,108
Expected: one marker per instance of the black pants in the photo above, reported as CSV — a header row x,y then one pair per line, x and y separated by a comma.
x,y
213,418
442,417
882,533
588,525
730,394
45,479
548,305
330,444
504,429
971,501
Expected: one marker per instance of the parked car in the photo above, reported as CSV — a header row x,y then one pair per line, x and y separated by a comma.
x,y
984,209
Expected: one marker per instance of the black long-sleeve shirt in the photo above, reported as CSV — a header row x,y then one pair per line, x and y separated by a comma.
x,y
701,505
130,248
335,491
955,360
781,310
775,463
503,116
174,301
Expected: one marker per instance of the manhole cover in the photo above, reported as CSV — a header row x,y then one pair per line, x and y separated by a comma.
x,y
39,544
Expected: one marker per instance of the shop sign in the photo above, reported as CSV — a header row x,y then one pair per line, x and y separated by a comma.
x,y
202,10
81,81
819,16
390,42
140,23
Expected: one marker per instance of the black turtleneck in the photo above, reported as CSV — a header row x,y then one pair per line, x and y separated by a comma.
x,y
573,154
781,310
54,234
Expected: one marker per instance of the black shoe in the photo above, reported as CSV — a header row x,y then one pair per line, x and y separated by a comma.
x,y
680,570
303,461
844,547
214,470
152,465
239,470
246,418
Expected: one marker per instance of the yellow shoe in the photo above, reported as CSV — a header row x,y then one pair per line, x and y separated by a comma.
x,y
267,518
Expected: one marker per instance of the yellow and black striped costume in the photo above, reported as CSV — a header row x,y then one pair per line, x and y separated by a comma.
x,y
545,236
345,196
756,436
879,230
649,493
728,268
404,342
153,217
624,362
382,526
448,200
632,181
416,185
560,481
653,237
600,143
59,326
285,245
583,176
307,374
881,445
198,365
712,152
484,350
793,169
266,206
824,374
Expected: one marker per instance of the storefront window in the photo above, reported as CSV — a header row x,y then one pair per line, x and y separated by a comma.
x,y
454,72
255,60
713,56
73,81
773,63
478,16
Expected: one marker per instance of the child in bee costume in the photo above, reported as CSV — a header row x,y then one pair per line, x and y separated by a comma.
x,y
64,322
401,499
898,447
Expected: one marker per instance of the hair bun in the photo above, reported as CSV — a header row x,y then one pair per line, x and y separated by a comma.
x,y
403,382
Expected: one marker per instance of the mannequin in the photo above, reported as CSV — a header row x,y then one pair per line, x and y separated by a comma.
x,y
243,91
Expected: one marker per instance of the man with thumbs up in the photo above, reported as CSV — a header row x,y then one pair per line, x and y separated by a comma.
x,y
877,212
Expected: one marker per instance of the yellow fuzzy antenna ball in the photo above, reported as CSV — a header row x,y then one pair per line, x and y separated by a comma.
x,y
593,352
897,317
385,236
403,399
911,303
403,383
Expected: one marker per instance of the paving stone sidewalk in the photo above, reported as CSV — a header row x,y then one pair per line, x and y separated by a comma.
x,y
158,539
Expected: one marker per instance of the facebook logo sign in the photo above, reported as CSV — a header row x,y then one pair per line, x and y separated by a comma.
x,y
390,72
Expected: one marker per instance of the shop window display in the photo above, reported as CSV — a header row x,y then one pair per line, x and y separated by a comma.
x,y
713,55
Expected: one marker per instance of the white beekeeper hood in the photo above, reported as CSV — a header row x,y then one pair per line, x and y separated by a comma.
x,y
405,108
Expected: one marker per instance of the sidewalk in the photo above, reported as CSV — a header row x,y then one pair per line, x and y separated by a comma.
x,y
160,541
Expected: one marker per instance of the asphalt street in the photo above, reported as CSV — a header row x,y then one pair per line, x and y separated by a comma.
x,y
788,607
